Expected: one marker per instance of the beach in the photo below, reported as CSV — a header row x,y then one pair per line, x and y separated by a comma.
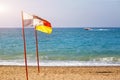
x,y
66,54
61,73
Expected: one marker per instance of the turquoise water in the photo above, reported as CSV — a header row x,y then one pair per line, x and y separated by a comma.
x,y
65,46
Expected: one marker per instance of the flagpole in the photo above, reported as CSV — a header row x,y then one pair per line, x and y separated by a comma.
x,y
37,55
24,41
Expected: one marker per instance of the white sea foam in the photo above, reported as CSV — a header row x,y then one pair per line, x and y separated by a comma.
x,y
60,63
102,29
107,59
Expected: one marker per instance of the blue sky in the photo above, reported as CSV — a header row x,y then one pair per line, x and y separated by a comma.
x,y
63,13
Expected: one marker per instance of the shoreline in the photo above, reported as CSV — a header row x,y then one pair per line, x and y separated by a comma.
x,y
60,73
59,63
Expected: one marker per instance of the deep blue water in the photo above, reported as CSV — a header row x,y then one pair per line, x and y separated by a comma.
x,y
64,44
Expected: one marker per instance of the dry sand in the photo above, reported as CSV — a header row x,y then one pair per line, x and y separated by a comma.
x,y
60,73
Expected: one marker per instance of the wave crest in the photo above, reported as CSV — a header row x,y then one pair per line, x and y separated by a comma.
x,y
107,59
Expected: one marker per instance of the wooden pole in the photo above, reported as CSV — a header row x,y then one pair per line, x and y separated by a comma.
x,y
24,41
37,55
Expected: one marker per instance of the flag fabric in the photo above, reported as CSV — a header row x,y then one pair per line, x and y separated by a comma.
x,y
28,19
42,25
39,23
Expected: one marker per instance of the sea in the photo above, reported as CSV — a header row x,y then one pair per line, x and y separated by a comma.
x,y
64,47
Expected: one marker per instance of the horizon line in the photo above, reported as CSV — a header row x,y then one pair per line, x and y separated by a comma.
x,y
70,27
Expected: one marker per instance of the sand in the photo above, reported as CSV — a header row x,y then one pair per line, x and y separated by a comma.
x,y
60,73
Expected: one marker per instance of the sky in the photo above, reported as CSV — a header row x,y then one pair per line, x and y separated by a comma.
x,y
63,13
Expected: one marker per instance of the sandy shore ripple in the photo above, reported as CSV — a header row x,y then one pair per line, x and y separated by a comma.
x,y
60,73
